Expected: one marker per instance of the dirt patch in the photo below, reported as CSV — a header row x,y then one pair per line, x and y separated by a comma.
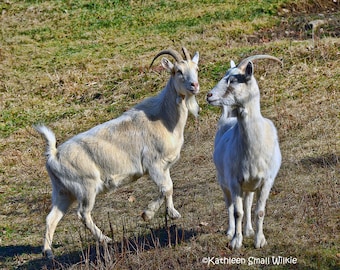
x,y
313,6
303,20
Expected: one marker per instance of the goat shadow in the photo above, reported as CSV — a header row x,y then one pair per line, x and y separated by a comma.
x,y
324,161
157,238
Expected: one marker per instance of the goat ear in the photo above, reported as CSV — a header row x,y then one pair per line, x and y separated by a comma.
x,y
249,70
196,58
167,64
232,64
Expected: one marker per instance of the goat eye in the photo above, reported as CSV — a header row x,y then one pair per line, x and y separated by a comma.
x,y
228,81
232,79
180,72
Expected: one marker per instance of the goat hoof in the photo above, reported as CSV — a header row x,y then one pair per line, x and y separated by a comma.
x,y
230,234
106,239
147,215
48,254
174,214
249,232
260,241
236,243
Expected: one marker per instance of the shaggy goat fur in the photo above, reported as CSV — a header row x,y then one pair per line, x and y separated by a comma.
x,y
147,139
247,154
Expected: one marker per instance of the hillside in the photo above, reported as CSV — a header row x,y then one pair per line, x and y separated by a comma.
x,y
75,64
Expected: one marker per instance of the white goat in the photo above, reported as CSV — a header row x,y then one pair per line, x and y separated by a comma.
x,y
247,154
147,139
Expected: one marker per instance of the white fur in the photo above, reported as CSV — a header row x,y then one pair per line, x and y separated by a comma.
x,y
147,139
247,154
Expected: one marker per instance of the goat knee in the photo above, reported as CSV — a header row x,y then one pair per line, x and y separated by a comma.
x,y
238,214
260,214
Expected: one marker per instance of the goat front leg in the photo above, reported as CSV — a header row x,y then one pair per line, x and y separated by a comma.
x,y
262,195
230,208
164,182
171,211
248,201
236,242
153,208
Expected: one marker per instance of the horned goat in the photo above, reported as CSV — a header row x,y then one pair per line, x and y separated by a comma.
x,y
247,154
146,139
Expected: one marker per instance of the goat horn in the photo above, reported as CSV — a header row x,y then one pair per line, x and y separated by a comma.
x,y
255,57
171,52
186,53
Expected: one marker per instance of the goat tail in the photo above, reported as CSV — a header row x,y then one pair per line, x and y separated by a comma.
x,y
51,150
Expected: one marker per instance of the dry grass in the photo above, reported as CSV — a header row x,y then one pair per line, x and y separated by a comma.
x,y
73,83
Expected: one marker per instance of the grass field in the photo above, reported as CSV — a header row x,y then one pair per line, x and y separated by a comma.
x,y
75,64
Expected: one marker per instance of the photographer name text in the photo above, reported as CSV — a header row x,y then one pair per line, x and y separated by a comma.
x,y
269,260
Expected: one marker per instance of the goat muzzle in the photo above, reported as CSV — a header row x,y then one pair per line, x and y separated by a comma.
x,y
195,88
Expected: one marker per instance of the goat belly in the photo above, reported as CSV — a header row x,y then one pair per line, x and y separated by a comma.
x,y
252,184
118,180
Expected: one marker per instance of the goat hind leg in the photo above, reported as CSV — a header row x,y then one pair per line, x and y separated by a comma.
x,y
61,203
84,213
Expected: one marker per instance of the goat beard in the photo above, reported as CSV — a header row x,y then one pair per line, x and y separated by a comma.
x,y
192,105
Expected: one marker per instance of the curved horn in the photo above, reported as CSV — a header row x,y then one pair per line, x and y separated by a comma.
x,y
171,52
245,61
186,53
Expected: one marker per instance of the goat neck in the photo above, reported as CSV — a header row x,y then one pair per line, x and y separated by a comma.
x,y
248,106
248,113
167,107
172,108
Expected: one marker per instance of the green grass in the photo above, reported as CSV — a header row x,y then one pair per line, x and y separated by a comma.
x,y
51,35
75,64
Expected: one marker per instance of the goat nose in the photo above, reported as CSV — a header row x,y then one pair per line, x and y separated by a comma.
x,y
195,84
209,95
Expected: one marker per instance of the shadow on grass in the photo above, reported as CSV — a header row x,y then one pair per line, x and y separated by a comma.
x,y
94,254
10,251
325,161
